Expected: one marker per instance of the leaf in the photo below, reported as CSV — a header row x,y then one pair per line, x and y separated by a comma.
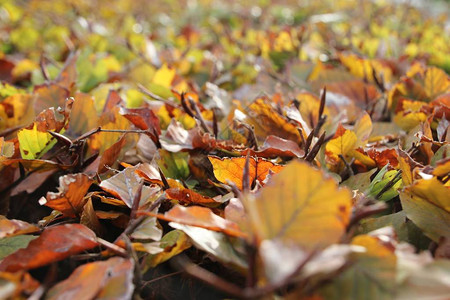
x,y
275,146
426,204
173,165
372,276
9,245
173,243
436,82
124,185
17,285
111,120
232,169
89,219
427,283
110,155
70,196
267,121
343,143
143,118
359,181
16,110
300,205
212,242
188,197
201,217
360,93
49,95
405,230
149,229
54,244
15,227
34,140
110,279
83,116
365,68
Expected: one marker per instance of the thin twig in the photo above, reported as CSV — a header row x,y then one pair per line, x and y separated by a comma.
x,y
112,247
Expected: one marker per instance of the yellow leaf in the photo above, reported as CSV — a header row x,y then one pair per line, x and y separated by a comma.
x,y
16,110
173,243
427,205
83,116
267,120
341,145
302,206
363,129
34,140
164,76
34,143
24,67
436,82
364,68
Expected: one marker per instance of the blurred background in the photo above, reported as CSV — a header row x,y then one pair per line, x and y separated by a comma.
x,y
241,47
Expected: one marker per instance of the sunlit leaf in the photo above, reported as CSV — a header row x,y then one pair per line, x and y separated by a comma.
x,y
232,169
34,140
302,206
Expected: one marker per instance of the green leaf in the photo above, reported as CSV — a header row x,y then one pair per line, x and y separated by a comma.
x,y
9,245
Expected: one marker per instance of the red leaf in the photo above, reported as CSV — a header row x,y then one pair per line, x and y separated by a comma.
x,y
55,244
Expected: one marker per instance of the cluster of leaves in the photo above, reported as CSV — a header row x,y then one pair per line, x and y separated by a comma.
x,y
267,150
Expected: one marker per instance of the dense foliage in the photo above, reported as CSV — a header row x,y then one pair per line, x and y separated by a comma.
x,y
272,149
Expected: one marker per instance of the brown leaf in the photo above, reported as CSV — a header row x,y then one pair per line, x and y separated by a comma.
x,y
54,244
143,118
49,95
90,219
275,146
111,155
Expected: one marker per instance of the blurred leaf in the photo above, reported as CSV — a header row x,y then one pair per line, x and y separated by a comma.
x,y
212,242
15,227
173,243
54,244
97,280
9,245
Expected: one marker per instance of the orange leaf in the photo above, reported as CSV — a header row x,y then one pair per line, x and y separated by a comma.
x,y
200,217
186,196
110,279
233,169
15,227
70,198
